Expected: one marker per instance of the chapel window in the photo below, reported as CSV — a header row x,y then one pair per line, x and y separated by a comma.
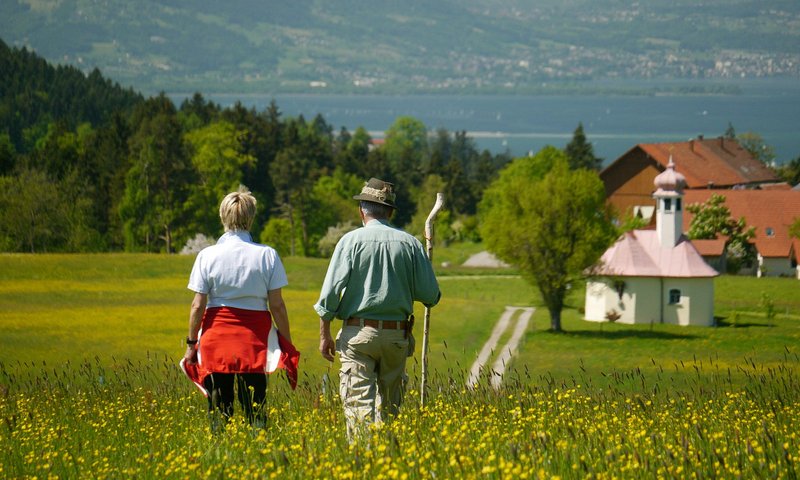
x,y
674,296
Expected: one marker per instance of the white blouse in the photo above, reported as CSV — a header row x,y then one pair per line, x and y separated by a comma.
x,y
236,272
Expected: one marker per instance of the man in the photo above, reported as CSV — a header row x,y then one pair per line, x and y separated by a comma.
x,y
375,275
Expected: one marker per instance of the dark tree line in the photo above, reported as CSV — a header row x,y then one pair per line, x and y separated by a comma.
x,y
34,94
88,166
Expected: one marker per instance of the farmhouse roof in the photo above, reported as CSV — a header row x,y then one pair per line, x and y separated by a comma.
x,y
714,247
771,212
639,253
718,162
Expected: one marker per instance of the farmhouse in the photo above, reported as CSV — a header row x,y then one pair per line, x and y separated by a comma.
x,y
771,212
719,163
654,276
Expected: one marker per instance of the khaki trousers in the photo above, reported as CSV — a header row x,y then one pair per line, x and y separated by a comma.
x,y
372,376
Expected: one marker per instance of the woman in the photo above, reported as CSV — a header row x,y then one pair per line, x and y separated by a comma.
x,y
237,285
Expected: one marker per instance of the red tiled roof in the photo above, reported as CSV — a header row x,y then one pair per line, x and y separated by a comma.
x,y
770,211
775,186
710,248
720,162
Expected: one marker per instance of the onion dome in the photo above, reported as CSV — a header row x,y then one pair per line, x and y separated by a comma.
x,y
669,182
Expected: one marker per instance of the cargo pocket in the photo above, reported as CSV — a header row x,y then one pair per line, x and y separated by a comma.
x,y
337,344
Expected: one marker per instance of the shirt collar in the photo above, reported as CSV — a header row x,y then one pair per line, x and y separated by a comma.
x,y
376,222
236,234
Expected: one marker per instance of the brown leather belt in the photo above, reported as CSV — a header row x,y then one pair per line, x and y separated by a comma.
x,y
385,324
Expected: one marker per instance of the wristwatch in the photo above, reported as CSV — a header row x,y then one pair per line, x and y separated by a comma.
x,y
189,341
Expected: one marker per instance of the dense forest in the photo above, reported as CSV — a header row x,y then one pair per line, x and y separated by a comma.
x,y
87,166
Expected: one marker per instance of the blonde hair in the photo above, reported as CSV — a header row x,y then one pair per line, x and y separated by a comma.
x,y
237,210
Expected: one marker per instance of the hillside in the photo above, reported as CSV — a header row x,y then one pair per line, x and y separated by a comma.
x,y
414,46
34,93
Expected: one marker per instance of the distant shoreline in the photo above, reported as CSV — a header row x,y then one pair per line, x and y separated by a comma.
x,y
721,90
606,87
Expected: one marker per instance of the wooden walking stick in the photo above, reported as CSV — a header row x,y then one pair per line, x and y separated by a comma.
x,y
426,324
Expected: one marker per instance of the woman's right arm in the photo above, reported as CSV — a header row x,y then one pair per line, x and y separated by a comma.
x,y
195,320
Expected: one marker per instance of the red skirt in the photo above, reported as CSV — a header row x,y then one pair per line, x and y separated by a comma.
x,y
233,340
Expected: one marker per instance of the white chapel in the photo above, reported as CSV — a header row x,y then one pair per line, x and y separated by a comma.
x,y
654,276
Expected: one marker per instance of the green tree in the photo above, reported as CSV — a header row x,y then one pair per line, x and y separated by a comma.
x,y
712,219
31,213
106,163
406,150
486,169
754,143
730,132
794,228
292,177
307,155
353,155
75,196
425,198
789,172
196,112
158,182
580,152
461,172
278,234
61,155
263,139
8,154
406,147
632,222
440,151
332,236
218,157
550,221
336,192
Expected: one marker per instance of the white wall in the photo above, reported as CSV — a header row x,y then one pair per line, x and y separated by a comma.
x,y
696,306
597,299
645,300
601,298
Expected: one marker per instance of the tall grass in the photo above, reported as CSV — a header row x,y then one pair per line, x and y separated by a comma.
x,y
89,386
142,420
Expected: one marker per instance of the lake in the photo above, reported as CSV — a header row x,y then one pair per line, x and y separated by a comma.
x,y
613,123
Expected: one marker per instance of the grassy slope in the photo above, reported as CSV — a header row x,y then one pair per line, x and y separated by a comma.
x,y
60,307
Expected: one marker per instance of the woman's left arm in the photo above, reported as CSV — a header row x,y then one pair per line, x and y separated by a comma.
x,y
278,309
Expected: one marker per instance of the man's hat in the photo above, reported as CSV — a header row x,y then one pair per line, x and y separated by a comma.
x,y
377,191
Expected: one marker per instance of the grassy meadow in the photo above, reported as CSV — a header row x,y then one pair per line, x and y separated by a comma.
x,y
89,385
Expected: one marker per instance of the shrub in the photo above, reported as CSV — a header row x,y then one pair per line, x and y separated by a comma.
x,y
332,236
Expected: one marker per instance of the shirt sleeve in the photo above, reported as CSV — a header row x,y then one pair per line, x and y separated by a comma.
x,y
277,278
426,287
334,284
198,279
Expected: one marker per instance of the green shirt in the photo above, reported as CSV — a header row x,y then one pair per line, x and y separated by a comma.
x,y
377,272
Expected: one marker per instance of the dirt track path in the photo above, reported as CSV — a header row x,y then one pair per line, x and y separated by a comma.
x,y
508,350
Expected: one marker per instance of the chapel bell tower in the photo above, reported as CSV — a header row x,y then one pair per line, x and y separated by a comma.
x,y
669,205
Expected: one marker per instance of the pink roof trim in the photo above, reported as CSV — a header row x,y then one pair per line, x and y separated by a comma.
x,y
639,254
